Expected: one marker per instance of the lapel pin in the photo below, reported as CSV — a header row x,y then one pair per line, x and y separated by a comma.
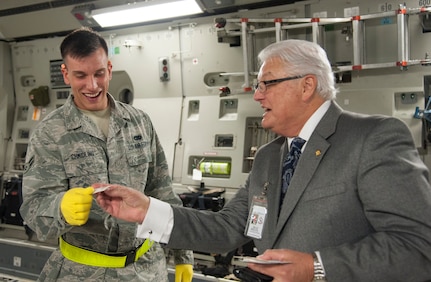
x,y
265,188
318,152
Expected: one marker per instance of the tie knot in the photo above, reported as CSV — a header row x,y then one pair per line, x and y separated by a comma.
x,y
297,143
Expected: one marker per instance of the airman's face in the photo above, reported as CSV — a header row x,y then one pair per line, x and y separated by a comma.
x,y
89,80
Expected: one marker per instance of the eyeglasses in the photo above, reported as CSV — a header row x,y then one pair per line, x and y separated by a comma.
x,y
262,85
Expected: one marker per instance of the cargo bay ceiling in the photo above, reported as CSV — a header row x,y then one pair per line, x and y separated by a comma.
x,y
30,19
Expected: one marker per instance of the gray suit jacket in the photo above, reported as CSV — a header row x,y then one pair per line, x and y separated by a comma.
x,y
360,195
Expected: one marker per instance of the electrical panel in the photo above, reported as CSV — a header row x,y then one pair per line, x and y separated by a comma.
x,y
164,69
56,74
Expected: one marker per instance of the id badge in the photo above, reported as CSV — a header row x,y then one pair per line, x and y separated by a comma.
x,y
256,218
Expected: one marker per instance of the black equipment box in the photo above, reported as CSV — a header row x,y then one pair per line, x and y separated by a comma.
x,y
208,199
11,201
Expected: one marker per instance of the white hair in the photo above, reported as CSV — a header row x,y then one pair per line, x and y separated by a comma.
x,y
304,57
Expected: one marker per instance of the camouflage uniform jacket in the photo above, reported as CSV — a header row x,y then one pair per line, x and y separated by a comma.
x,y
68,150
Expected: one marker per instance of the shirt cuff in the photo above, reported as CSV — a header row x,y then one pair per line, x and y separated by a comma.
x,y
158,222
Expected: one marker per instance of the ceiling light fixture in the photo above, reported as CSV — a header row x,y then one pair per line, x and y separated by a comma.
x,y
144,12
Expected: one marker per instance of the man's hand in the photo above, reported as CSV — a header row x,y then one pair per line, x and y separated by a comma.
x,y
301,268
76,204
183,273
122,202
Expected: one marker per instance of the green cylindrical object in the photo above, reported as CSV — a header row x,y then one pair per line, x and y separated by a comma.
x,y
215,168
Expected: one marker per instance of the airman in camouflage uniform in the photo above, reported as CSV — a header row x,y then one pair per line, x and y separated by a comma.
x,y
67,149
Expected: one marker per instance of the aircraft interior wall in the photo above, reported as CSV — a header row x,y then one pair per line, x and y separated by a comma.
x,y
200,114
6,101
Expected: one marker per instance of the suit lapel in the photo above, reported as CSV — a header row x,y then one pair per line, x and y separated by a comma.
x,y
308,163
274,191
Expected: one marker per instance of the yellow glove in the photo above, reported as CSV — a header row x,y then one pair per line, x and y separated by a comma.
x,y
183,273
76,204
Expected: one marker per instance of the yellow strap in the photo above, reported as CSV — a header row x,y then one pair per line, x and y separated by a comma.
x,y
91,258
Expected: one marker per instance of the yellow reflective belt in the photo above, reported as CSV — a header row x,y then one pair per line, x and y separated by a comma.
x,y
92,258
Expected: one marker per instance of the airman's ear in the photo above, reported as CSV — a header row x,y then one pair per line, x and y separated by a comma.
x,y
110,69
64,72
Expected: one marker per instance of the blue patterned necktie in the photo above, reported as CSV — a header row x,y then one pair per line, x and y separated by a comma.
x,y
290,162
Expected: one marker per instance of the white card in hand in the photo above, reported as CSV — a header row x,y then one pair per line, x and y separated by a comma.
x,y
101,189
262,261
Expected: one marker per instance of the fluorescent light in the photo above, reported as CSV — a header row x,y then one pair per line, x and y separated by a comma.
x,y
144,12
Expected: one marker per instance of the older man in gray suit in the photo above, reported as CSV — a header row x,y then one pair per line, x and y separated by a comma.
x,y
358,207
